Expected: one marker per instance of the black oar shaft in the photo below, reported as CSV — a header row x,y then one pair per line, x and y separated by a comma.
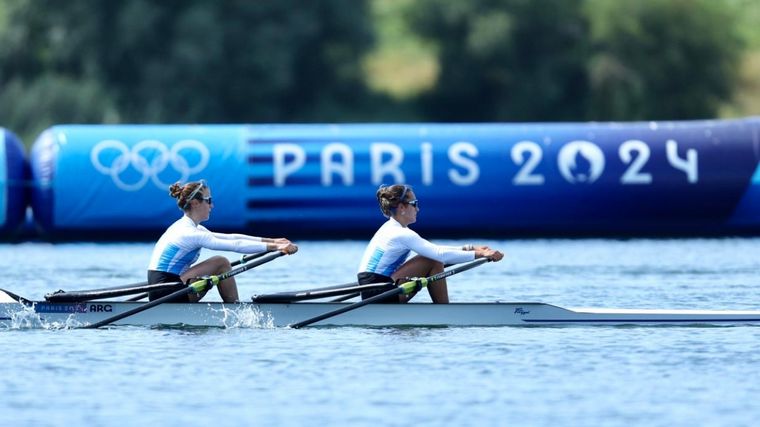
x,y
139,297
455,270
245,259
404,288
141,287
349,307
89,295
173,295
197,286
254,262
346,297
250,257
348,288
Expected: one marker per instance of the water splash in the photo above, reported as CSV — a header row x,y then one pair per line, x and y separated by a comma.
x,y
241,316
246,316
25,317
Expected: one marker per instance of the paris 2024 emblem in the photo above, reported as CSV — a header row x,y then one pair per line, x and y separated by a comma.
x,y
581,162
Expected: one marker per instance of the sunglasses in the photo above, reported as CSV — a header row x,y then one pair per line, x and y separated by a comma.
x,y
414,202
208,200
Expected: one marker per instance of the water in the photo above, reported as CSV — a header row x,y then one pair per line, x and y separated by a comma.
x,y
580,376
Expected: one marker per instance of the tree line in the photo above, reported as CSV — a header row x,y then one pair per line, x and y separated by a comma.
x,y
283,61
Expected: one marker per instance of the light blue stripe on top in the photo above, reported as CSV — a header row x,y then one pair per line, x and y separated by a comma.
x,y
395,265
185,261
166,261
374,260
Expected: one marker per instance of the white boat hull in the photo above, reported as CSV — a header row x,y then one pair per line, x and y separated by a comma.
x,y
45,314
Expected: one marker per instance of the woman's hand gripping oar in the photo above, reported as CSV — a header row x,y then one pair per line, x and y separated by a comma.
x,y
404,288
197,287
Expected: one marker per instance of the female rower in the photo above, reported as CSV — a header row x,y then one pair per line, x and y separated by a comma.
x,y
385,259
180,246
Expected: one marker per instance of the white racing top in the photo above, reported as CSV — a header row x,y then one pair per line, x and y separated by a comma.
x,y
180,245
392,243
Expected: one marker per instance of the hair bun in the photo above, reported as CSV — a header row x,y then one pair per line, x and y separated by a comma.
x,y
175,190
389,197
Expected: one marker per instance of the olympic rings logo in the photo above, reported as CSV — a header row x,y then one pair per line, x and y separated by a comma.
x,y
131,169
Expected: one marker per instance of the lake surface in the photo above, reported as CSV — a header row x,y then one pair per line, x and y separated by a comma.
x,y
534,376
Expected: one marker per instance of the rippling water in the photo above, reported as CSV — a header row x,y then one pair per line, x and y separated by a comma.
x,y
257,375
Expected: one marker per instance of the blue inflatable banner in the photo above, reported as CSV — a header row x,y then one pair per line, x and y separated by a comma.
x,y
13,180
486,179
3,180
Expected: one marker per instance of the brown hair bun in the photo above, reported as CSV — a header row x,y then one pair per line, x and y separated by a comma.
x,y
390,196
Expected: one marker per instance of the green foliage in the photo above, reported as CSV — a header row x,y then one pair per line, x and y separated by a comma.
x,y
580,60
662,59
240,61
401,64
184,61
506,59
35,105
748,12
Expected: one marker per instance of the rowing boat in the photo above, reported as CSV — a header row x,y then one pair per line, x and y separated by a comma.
x,y
18,312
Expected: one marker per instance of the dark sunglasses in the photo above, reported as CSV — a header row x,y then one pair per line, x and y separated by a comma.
x,y
415,203
208,200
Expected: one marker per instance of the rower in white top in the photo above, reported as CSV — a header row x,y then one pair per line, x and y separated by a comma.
x,y
385,259
179,247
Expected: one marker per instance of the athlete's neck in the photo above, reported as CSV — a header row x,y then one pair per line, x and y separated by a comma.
x,y
400,220
195,220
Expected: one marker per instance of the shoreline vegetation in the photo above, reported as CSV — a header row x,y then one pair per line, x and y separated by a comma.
x,y
328,61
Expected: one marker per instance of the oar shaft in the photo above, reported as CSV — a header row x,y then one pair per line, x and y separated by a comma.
x,y
464,267
139,297
198,286
254,262
413,284
348,288
147,305
349,307
248,258
245,259
141,287
404,288
346,297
